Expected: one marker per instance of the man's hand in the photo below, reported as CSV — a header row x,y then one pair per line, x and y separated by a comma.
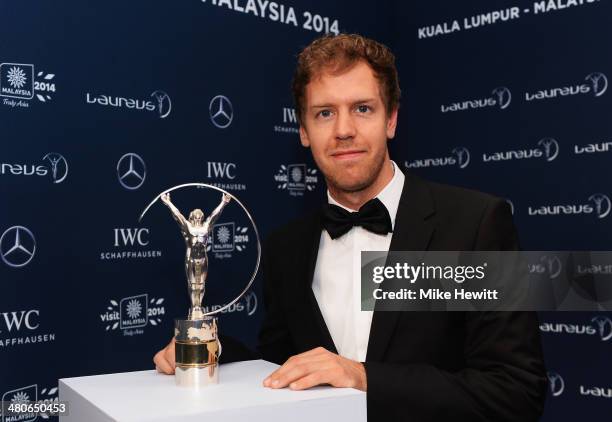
x,y
165,359
165,197
315,367
226,198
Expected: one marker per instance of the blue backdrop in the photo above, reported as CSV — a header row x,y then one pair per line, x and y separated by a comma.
x,y
104,105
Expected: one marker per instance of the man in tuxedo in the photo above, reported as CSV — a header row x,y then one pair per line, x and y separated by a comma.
x,y
468,366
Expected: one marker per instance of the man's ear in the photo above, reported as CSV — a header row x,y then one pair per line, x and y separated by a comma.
x,y
304,137
392,123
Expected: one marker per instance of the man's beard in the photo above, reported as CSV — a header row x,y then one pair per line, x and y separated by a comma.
x,y
372,173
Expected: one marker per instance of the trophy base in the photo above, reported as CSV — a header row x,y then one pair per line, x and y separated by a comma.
x,y
197,351
197,377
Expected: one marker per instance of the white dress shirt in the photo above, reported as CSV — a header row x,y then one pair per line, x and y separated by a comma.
x,y
337,282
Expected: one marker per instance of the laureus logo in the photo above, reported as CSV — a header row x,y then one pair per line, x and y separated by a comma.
x,y
164,103
599,83
604,327
599,205
132,313
602,204
159,102
54,164
556,384
550,147
500,97
593,148
599,325
296,178
549,265
600,392
459,156
596,82
463,157
248,304
59,166
547,148
503,97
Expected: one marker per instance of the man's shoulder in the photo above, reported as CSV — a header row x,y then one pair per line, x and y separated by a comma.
x,y
452,205
296,230
443,197
467,219
450,197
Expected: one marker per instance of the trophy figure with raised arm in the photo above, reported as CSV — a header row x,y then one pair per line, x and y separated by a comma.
x,y
196,232
197,347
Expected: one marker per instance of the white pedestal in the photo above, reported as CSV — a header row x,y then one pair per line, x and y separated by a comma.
x,y
239,396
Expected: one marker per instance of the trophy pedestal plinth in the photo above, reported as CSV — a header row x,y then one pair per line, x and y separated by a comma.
x,y
197,377
197,351
239,397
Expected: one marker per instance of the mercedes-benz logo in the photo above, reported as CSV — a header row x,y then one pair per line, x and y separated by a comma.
x,y
221,111
131,171
17,246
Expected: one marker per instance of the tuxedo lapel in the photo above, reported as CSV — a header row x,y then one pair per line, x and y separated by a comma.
x,y
414,227
313,327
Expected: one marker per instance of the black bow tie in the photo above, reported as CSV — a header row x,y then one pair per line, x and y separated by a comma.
x,y
372,216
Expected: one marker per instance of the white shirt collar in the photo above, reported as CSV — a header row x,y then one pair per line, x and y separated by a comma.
x,y
389,195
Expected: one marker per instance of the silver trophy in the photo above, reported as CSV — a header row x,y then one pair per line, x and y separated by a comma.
x,y
196,338
196,232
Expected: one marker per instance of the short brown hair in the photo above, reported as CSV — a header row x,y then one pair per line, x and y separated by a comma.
x,y
338,53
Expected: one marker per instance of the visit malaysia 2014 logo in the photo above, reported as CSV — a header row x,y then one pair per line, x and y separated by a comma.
x,y
20,83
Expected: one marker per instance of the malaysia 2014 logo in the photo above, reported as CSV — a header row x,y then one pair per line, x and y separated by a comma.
x,y
132,313
226,238
20,83
296,178
28,395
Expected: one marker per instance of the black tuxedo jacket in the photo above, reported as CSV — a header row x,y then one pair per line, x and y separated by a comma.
x,y
420,366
